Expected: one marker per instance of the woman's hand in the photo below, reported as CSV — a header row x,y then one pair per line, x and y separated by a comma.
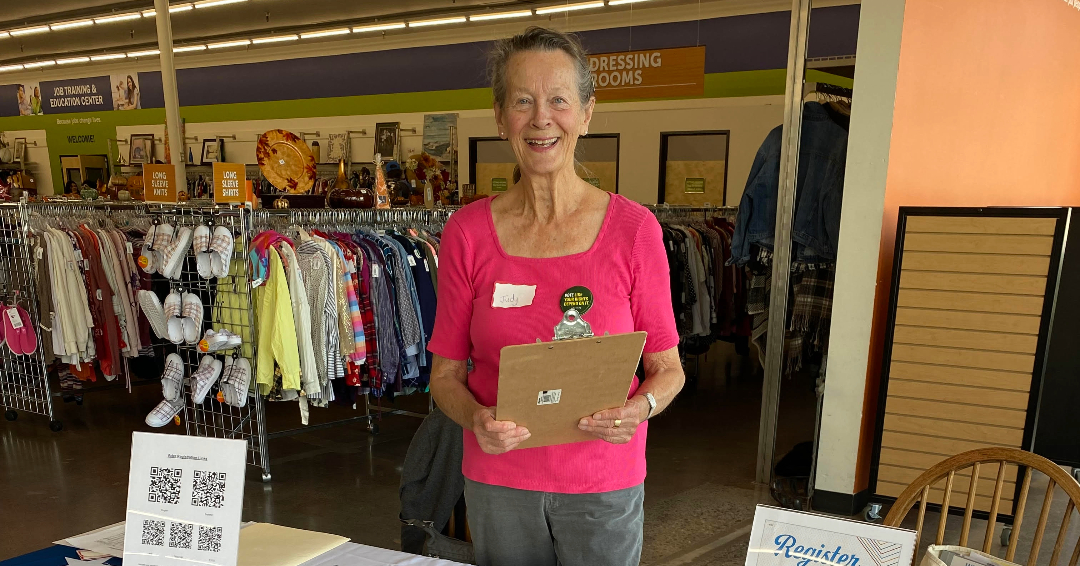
x,y
630,415
497,437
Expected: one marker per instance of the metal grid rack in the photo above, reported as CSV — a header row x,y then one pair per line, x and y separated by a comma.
x,y
24,384
226,304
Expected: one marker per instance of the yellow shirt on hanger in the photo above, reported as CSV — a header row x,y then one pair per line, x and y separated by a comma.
x,y
277,331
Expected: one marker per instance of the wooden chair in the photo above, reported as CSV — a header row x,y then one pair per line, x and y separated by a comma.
x,y
919,490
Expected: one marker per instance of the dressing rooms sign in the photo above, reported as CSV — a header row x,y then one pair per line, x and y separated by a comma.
x,y
657,73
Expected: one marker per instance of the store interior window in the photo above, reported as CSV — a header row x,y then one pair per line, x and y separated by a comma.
x,y
492,162
693,168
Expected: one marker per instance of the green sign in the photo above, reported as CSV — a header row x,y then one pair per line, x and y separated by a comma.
x,y
594,181
499,185
694,185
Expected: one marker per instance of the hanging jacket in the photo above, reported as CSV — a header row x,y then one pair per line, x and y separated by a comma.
x,y
431,478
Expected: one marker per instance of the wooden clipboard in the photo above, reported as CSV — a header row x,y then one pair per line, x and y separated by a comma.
x,y
548,387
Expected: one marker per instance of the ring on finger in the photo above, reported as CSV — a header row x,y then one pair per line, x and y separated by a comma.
x,y
618,423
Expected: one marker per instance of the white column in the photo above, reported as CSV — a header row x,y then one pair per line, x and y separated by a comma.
x,y
877,60
168,86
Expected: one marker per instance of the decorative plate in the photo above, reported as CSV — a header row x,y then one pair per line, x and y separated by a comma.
x,y
286,161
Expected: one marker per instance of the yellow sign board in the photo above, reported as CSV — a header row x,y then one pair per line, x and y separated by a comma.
x,y
654,73
159,182
229,185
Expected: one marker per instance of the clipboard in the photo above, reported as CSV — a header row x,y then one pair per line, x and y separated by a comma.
x,y
548,387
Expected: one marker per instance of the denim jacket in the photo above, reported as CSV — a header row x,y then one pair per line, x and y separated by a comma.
x,y
819,191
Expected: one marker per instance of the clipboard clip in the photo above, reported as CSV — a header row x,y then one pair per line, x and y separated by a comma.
x,y
572,326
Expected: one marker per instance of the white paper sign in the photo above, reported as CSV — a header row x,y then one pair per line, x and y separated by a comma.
x,y
790,538
185,495
507,296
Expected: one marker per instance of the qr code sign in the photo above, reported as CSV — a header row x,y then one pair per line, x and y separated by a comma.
x,y
165,485
153,533
210,539
180,535
208,490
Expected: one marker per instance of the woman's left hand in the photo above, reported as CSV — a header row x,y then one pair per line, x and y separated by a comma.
x,y
629,416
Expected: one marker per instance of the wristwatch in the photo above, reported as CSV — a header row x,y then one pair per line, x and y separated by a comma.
x,y
652,404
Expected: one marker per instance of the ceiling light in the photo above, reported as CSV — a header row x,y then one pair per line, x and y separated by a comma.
x,y
236,43
500,16
28,31
212,3
275,38
38,64
149,13
620,2
186,48
72,60
379,27
4,68
74,24
324,33
179,8
117,18
4,34
438,22
107,57
146,53
569,7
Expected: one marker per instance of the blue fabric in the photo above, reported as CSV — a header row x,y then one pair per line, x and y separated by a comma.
x,y
56,555
818,196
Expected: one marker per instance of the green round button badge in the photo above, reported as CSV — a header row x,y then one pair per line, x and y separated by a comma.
x,y
578,298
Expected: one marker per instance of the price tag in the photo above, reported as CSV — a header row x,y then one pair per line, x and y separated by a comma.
x,y
417,252
375,270
130,250
98,294
159,182
412,262
14,318
39,253
426,266
78,256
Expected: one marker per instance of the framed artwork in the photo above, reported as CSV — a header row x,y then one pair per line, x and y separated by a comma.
x,y
386,140
19,147
141,149
211,151
338,148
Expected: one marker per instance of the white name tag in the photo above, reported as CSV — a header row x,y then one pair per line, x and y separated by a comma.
x,y
509,296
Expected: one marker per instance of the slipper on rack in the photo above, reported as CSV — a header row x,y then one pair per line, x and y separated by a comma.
x,y
236,391
215,341
26,334
192,317
200,242
204,377
226,379
164,412
172,381
148,261
154,312
163,236
173,321
222,248
173,255
12,326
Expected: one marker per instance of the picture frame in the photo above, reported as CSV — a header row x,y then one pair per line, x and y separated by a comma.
x,y
19,150
211,151
141,149
386,140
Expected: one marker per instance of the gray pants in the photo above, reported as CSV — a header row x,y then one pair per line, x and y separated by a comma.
x,y
513,527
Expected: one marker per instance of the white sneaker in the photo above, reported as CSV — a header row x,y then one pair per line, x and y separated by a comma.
x,y
204,377
173,254
164,412
173,378
192,317
154,312
222,250
173,322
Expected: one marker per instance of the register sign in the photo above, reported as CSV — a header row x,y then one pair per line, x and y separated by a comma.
x,y
655,73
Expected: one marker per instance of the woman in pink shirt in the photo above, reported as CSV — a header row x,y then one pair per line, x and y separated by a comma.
x,y
576,503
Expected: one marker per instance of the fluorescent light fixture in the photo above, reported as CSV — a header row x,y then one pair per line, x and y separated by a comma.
x,y
4,68
236,43
500,16
437,22
149,13
70,60
212,3
569,7
37,64
179,8
186,48
108,56
4,34
73,24
28,31
118,18
324,33
379,27
620,2
146,53
275,38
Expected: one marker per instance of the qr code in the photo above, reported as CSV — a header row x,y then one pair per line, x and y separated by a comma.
x,y
180,535
165,485
210,539
208,490
153,533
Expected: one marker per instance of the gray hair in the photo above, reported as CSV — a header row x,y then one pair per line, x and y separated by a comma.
x,y
539,39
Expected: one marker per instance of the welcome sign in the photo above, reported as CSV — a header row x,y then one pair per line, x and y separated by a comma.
x,y
780,537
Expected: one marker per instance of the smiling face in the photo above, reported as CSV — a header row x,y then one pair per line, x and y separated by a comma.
x,y
543,115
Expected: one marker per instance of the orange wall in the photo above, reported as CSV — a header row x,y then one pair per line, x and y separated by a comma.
x,y
987,113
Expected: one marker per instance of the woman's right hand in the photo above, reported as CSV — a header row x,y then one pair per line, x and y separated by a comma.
x,y
497,437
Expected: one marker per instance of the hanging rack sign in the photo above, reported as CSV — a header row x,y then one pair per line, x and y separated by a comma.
x,y
654,73
229,183
159,183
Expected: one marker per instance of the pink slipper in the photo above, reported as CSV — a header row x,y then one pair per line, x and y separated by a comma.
x,y
13,326
27,335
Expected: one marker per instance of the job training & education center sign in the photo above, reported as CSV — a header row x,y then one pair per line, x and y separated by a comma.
x,y
90,94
